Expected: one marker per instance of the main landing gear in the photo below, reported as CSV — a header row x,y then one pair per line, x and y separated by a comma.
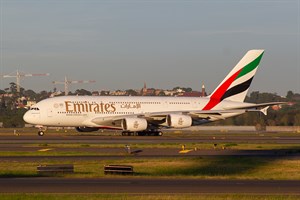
x,y
142,133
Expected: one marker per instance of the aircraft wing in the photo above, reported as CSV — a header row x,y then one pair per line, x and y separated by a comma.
x,y
256,105
159,118
200,114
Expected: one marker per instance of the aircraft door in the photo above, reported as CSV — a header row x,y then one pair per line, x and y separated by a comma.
x,y
194,103
50,113
166,104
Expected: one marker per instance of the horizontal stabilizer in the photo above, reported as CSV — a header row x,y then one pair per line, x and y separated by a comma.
x,y
265,110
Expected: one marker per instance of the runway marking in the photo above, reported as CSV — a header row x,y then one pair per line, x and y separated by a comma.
x,y
186,151
43,150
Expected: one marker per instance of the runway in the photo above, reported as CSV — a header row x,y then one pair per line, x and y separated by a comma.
x,y
142,185
98,139
32,143
158,153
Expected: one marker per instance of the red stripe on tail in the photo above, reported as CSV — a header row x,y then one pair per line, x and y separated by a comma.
x,y
217,95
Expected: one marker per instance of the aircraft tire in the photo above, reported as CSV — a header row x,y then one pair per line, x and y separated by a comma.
x,y
159,133
41,133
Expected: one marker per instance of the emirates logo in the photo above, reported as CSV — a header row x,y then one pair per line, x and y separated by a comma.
x,y
136,125
180,121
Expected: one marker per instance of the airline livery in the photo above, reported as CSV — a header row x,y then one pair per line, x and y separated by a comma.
x,y
148,115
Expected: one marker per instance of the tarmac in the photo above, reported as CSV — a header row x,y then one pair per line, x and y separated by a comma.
x,y
142,186
99,139
133,185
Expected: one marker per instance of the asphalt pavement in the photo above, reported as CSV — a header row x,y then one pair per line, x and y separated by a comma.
x,y
98,139
142,185
133,185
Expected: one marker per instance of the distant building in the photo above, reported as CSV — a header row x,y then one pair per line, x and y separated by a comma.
x,y
192,94
30,103
203,92
144,90
182,93
104,93
169,92
95,93
57,93
179,90
157,92
147,91
276,107
118,93
7,95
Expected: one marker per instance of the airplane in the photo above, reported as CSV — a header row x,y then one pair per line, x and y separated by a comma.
x,y
145,115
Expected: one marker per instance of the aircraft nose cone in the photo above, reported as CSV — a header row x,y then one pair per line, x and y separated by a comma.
x,y
26,117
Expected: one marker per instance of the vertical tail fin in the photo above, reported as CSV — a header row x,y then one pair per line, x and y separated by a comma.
x,y
236,84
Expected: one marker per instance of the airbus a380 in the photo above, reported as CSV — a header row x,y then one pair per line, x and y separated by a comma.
x,y
148,115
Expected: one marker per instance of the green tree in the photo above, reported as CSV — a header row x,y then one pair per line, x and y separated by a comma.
x,y
83,92
183,88
289,95
161,93
30,94
104,93
42,95
13,88
14,118
131,92
297,119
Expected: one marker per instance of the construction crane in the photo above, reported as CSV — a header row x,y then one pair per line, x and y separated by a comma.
x,y
68,82
19,75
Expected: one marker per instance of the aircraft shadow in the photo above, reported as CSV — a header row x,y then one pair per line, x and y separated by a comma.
x,y
227,165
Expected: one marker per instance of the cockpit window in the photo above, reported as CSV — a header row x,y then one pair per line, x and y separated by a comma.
x,y
34,108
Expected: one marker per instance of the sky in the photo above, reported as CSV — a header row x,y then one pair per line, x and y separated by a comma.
x,y
165,43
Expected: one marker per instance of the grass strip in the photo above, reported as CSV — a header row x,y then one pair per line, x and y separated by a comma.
x,y
219,167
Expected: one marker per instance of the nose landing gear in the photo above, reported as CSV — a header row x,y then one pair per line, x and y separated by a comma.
x,y
41,133
42,130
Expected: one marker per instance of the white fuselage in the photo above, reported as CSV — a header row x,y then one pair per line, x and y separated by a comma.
x,y
78,111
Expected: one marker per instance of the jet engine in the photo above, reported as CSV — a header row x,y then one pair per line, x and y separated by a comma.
x,y
86,129
179,121
134,124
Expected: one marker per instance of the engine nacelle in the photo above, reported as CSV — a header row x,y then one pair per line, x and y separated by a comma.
x,y
86,129
179,121
134,124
